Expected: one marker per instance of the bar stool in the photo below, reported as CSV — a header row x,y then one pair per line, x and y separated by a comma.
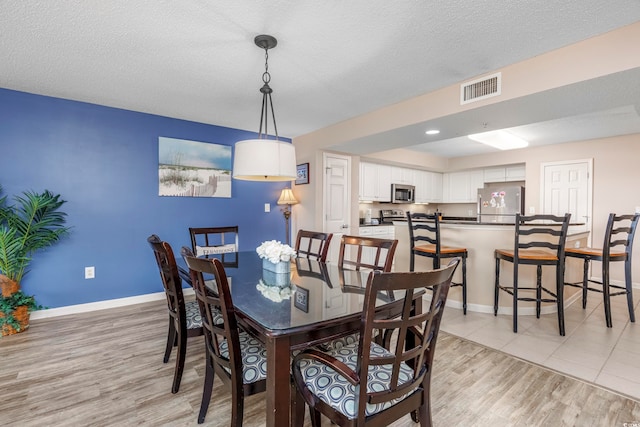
x,y
619,234
539,240
426,228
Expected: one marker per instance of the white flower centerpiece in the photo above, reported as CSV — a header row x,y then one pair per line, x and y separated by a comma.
x,y
276,256
276,264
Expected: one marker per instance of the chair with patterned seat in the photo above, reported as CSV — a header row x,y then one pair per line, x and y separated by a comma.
x,y
425,240
364,383
618,242
184,316
313,244
236,357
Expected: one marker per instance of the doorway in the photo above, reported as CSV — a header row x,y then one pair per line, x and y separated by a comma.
x,y
337,199
567,186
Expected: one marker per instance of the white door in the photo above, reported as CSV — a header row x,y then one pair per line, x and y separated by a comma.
x,y
337,199
567,187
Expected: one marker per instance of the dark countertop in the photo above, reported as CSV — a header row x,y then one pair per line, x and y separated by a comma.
x,y
475,222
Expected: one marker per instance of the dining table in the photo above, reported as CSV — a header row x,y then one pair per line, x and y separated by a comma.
x,y
313,303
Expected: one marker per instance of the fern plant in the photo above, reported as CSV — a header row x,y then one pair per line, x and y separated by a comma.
x,y
34,222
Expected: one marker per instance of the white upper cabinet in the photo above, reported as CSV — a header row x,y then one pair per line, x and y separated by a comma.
x,y
494,174
401,175
505,173
515,173
462,187
375,182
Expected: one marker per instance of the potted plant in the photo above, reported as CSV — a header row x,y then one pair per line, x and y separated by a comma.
x,y
34,222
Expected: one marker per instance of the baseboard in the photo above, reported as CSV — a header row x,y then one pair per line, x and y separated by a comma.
x,y
139,299
101,305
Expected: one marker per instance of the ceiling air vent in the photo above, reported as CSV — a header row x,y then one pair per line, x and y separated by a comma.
x,y
485,87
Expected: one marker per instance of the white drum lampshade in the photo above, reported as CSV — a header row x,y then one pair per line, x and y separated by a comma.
x,y
264,160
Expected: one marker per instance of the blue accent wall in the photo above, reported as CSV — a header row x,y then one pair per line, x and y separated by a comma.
x,y
104,162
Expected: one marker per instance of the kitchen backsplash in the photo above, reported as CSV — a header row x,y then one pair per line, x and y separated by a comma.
x,y
447,209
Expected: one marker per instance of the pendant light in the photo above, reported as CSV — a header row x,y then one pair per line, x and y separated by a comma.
x,y
265,159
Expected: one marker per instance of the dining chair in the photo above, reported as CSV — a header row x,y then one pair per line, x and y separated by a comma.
x,y
370,253
425,240
539,241
184,316
220,242
365,383
313,244
237,358
617,246
366,252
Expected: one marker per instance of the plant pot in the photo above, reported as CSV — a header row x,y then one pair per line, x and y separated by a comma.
x,y
21,314
9,287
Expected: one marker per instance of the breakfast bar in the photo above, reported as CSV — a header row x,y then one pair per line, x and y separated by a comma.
x,y
481,240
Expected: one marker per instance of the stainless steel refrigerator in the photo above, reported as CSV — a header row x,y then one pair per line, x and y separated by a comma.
x,y
500,203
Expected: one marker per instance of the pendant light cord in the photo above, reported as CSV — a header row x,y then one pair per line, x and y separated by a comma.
x,y
266,100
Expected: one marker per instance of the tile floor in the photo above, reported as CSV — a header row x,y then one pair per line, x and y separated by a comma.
x,y
608,357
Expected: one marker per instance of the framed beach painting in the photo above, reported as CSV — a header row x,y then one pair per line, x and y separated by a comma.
x,y
193,169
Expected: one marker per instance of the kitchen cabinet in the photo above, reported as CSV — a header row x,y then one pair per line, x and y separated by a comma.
x,y
428,186
505,173
401,175
515,173
375,182
462,187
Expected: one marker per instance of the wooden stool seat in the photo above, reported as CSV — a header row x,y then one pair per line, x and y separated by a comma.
x,y
432,249
527,254
591,252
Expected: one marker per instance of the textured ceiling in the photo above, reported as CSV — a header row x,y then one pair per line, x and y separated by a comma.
x,y
335,59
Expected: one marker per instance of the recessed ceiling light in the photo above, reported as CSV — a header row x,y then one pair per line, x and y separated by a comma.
x,y
432,132
499,139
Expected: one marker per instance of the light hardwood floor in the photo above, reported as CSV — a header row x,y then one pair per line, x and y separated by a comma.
x,y
105,369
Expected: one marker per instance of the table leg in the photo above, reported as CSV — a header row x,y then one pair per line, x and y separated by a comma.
x,y
278,381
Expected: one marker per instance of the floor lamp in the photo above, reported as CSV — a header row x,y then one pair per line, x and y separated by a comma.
x,y
287,199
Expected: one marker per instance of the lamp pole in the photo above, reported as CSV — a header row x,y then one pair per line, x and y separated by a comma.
x,y
287,215
287,199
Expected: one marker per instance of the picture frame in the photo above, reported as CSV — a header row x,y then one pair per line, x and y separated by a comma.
x,y
301,299
302,174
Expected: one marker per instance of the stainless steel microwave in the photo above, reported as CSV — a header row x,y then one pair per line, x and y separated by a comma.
x,y
402,193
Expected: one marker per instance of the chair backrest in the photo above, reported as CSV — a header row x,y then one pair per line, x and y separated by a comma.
x,y
171,280
216,241
546,232
620,232
424,228
313,244
422,327
371,253
217,334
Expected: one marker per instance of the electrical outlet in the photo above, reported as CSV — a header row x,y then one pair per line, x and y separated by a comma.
x,y
89,272
532,210
267,207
